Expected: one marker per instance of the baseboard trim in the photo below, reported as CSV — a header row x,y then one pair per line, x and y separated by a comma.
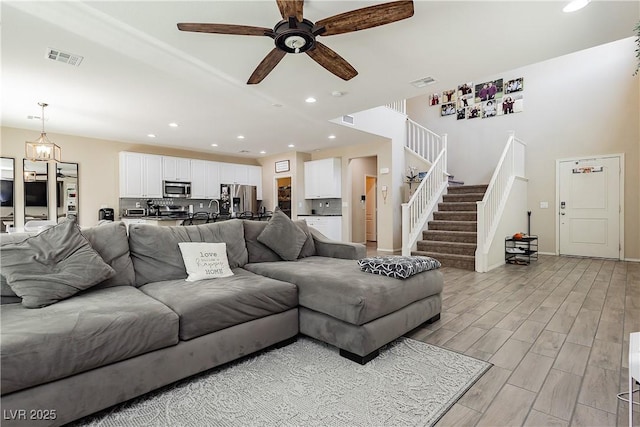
x,y
632,259
548,253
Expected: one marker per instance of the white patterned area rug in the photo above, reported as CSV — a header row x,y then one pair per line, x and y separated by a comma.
x,y
308,383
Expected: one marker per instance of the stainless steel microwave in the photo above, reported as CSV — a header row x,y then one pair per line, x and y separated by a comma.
x,y
176,189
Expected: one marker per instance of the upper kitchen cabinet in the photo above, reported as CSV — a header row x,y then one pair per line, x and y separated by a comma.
x,y
140,175
255,178
205,179
176,169
231,173
323,179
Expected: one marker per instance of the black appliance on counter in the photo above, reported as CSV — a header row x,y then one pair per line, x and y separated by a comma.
x,y
105,214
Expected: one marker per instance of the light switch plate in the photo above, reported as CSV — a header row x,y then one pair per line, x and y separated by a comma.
x,y
544,205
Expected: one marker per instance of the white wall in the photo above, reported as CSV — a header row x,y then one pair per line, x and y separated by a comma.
x,y
513,220
390,124
582,104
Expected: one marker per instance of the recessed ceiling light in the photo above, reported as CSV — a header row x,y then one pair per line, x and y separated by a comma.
x,y
338,93
240,136
290,145
332,137
575,5
310,100
214,145
173,125
263,152
151,135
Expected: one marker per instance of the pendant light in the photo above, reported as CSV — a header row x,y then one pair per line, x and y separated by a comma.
x,y
42,149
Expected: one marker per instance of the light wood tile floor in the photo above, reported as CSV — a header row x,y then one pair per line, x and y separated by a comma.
x,y
557,333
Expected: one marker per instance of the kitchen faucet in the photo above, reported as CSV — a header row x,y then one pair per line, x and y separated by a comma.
x,y
217,204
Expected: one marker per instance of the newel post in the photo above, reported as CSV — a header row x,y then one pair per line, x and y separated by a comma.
x,y
406,225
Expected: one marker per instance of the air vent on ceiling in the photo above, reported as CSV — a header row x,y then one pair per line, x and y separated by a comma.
x,y
64,57
244,151
348,119
423,82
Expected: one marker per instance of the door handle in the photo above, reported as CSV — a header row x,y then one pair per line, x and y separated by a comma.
x,y
561,213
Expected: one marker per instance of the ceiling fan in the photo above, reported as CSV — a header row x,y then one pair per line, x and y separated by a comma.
x,y
294,34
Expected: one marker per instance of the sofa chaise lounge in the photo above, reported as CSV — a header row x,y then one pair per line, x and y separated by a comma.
x,y
145,326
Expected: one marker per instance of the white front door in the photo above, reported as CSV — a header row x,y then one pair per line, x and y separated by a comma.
x,y
589,207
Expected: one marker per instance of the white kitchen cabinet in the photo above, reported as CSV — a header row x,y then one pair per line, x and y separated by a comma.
x,y
255,178
198,179
212,183
176,169
140,175
232,173
323,179
205,180
330,226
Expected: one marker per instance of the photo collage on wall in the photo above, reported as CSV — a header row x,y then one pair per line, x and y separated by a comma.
x,y
483,100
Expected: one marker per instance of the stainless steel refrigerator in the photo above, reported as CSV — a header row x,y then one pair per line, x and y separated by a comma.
x,y
236,199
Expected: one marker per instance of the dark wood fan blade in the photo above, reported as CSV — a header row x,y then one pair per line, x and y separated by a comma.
x,y
291,8
264,68
367,17
332,62
243,30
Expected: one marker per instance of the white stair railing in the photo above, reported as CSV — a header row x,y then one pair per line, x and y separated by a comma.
x,y
425,143
399,106
423,202
510,165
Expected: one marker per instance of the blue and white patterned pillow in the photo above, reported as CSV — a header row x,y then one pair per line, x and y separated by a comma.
x,y
398,267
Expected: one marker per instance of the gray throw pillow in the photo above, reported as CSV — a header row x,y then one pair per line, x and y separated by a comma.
x,y
282,236
309,247
52,266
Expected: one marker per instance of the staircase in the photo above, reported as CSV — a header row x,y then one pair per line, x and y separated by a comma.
x,y
451,236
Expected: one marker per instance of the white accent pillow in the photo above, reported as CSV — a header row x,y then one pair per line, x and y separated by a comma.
x,y
205,260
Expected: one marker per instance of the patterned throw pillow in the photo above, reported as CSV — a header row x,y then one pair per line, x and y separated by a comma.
x,y
398,267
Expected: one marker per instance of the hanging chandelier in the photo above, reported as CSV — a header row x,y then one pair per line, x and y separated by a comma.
x,y
42,149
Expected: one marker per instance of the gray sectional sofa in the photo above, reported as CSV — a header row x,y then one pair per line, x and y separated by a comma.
x,y
146,327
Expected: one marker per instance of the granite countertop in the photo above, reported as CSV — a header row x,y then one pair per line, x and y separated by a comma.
x,y
154,218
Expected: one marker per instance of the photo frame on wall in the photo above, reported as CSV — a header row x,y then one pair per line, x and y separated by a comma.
x,y
282,166
515,85
489,90
434,99
448,96
447,109
511,103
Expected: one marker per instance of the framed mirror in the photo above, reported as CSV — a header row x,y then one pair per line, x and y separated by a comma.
x,y
7,188
67,190
36,184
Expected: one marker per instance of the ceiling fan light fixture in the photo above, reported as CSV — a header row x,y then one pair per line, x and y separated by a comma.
x,y
295,43
42,149
575,5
